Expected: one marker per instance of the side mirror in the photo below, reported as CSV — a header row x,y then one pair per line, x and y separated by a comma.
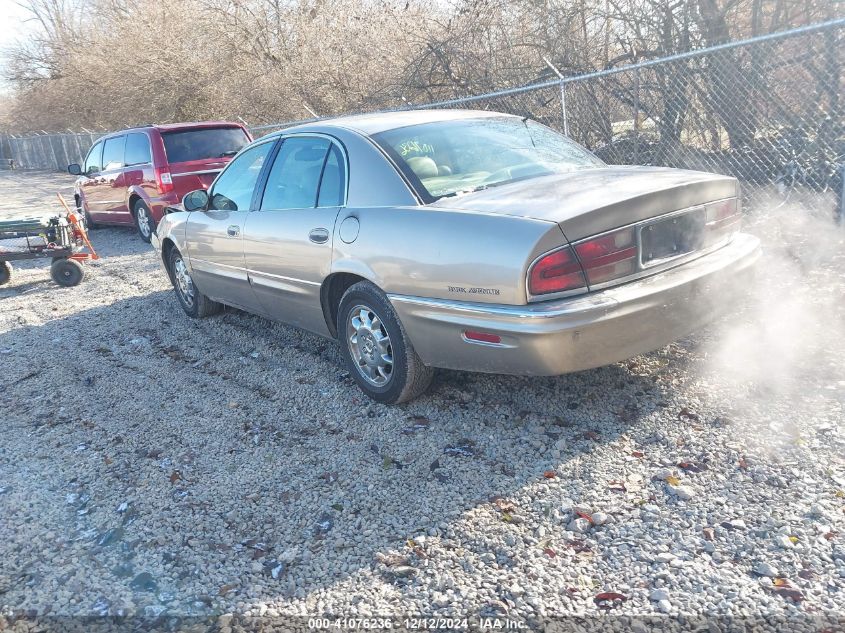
x,y
74,169
196,200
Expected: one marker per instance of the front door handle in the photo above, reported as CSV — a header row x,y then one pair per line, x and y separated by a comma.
x,y
233,230
319,236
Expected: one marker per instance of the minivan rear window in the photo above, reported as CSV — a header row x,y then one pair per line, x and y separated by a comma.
x,y
202,143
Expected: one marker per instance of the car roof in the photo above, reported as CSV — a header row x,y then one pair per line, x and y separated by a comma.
x,y
381,121
173,127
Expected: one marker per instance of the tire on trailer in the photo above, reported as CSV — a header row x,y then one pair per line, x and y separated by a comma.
x,y
5,272
67,272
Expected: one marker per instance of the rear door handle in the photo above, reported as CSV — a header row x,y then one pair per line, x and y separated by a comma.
x,y
233,231
319,236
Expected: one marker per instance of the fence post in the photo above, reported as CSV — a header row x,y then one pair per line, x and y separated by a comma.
x,y
562,84
637,116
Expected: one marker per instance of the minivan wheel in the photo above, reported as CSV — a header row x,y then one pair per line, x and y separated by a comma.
x,y
144,220
90,225
193,302
378,353
5,272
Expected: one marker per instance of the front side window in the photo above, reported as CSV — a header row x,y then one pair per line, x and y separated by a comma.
x,y
113,152
448,158
203,143
92,161
233,189
137,149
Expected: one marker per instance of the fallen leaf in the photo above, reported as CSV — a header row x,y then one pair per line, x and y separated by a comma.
x,y
692,467
781,582
550,474
686,414
584,515
831,535
225,589
393,560
507,517
175,476
788,592
548,551
605,600
503,505
793,539
839,494
637,454
672,480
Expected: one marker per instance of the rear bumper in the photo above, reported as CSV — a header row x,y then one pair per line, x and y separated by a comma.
x,y
159,204
600,328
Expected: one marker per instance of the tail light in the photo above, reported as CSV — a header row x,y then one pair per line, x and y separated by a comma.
x,y
609,256
722,219
164,180
558,271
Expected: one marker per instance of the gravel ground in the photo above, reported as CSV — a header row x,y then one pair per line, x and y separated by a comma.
x,y
155,465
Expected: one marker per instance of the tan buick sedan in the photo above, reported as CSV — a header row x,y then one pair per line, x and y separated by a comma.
x,y
458,239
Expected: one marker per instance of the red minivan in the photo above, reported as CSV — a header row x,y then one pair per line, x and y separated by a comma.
x,y
131,176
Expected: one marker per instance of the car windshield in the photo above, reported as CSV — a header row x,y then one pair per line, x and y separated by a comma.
x,y
449,158
203,143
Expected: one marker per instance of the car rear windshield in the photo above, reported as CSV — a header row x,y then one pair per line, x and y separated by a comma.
x,y
202,143
448,158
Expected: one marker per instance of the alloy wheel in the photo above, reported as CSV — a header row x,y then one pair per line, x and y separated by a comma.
x,y
184,283
369,345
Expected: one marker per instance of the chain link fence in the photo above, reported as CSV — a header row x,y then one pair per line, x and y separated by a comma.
x,y
768,110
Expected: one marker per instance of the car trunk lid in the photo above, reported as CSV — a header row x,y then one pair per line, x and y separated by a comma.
x,y
590,201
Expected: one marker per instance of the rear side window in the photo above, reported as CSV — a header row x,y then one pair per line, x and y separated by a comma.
x,y
137,149
92,161
203,143
113,152
333,184
295,177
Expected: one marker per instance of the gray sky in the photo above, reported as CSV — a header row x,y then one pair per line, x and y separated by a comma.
x,y
13,27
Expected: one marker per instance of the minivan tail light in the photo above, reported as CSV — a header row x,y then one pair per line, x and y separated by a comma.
x,y
164,180
557,271
609,256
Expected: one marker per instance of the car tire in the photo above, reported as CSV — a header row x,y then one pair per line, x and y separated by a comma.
x,y
5,272
143,220
377,351
195,304
67,272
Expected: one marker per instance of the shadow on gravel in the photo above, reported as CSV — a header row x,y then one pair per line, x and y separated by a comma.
x,y
158,464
